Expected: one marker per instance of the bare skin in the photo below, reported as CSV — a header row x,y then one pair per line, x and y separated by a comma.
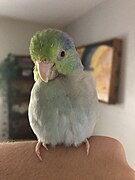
x,y
107,161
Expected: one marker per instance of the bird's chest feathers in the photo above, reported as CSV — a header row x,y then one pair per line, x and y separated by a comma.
x,y
57,94
61,109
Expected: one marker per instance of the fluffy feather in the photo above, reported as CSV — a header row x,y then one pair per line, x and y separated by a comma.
x,y
63,111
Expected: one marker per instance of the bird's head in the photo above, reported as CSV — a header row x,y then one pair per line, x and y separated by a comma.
x,y
53,53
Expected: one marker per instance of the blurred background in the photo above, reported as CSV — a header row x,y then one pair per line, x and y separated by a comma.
x,y
87,21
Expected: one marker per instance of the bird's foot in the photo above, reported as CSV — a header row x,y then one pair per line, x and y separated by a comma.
x,y
87,146
45,146
37,149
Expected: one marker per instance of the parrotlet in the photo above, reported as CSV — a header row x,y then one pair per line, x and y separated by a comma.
x,y
63,102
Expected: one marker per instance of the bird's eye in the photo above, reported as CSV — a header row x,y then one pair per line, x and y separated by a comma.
x,y
62,54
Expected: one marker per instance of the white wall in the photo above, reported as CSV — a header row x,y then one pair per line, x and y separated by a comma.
x,y
14,38
114,18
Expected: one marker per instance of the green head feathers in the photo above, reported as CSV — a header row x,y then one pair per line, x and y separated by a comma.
x,y
54,47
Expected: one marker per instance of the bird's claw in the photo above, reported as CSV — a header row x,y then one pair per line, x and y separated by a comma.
x,y
45,146
87,146
37,149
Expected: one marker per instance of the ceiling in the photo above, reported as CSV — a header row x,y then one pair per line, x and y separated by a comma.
x,y
53,13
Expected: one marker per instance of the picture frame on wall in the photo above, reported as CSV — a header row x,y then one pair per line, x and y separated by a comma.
x,y
103,59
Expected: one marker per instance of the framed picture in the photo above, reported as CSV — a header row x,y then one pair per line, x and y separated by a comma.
x,y
102,59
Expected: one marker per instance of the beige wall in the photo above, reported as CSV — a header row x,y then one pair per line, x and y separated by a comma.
x,y
114,18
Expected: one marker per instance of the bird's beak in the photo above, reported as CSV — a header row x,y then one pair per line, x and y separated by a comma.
x,y
45,70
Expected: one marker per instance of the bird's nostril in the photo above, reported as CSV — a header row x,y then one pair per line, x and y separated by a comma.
x,y
44,60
